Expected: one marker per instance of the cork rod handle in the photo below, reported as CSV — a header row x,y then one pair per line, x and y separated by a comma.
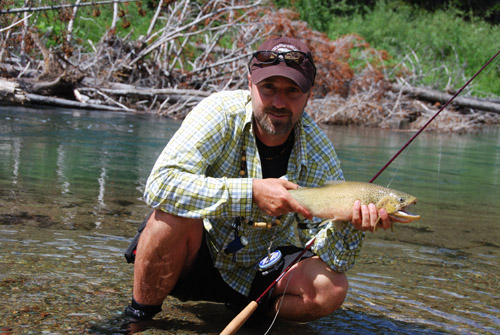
x,y
240,319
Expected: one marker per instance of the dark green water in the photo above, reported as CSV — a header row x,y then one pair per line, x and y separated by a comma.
x,y
70,200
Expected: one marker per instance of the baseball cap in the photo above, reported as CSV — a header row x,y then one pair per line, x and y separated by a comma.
x,y
300,69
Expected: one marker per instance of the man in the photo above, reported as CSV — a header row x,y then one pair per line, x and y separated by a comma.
x,y
221,204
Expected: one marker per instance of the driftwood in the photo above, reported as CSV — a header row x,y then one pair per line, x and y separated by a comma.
x,y
12,92
52,101
442,97
380,105
128,90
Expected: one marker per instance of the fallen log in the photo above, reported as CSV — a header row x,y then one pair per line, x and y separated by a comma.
x,y
123,89
59,102
441,97
10,91
174,95
16,92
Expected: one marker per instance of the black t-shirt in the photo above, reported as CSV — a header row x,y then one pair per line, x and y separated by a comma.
x,y
274,160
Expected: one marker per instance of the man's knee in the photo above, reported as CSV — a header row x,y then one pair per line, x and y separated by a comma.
x,y
331,291
338,292
167,226
324,290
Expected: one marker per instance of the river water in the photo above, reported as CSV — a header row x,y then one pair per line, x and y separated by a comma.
x,y
70,200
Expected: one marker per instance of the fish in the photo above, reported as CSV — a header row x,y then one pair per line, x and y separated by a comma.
x,y
334,201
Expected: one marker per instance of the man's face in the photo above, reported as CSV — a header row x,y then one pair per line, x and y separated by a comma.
x,y
278,103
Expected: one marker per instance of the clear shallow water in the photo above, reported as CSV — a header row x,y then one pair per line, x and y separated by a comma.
x,y
70,189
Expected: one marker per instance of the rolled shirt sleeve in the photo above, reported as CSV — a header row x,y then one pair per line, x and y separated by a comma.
x,y
208,140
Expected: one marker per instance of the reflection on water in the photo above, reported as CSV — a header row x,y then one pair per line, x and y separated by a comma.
x,y
78,168
70,200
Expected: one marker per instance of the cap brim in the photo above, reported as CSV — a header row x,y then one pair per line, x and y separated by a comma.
x,y
281,70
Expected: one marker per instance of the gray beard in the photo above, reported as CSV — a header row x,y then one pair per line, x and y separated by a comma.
x,y
274,128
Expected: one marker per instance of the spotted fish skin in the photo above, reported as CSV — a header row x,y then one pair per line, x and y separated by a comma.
x,y
335,200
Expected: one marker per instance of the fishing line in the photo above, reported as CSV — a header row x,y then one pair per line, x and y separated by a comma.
x,y
281,302
403,159
440,154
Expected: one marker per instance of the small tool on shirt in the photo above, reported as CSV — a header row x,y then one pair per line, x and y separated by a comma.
x,y
238,242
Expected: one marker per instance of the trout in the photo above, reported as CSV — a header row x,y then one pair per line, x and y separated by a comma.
x,y
334,201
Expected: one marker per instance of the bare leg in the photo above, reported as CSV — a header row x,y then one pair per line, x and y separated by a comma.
x,y
314,290
167,247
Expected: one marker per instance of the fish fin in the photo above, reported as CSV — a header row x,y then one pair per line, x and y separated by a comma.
x,y
377,223
336,224
324,223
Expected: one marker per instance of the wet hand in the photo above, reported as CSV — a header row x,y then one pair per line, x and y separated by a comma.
x,y
368,218
272,196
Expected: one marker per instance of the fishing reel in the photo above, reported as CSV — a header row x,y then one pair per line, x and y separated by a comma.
x,y
271,262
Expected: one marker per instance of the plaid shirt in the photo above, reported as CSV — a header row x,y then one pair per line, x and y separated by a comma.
x,y
198,176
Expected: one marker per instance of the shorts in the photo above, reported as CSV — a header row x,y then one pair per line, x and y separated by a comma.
x,y
204,281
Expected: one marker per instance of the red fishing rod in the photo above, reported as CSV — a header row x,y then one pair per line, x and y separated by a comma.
x,y
245,314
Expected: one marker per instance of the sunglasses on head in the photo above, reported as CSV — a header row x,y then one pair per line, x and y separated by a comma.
x,y
291,58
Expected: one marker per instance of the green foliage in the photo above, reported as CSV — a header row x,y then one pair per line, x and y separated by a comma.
x,y
131,21
92,22
488,10
319,12
441,48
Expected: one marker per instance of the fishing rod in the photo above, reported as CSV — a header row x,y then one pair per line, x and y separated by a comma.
x,y
245,314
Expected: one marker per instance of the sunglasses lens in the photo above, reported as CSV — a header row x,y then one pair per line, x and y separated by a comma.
x,y
295,57
266,56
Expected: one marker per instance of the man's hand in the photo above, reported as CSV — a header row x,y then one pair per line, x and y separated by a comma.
x,y
272,197
365,217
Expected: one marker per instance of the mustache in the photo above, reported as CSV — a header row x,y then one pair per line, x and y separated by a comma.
x,y
279,111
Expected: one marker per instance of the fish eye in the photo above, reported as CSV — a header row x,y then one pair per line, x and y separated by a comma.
x,y
401,199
